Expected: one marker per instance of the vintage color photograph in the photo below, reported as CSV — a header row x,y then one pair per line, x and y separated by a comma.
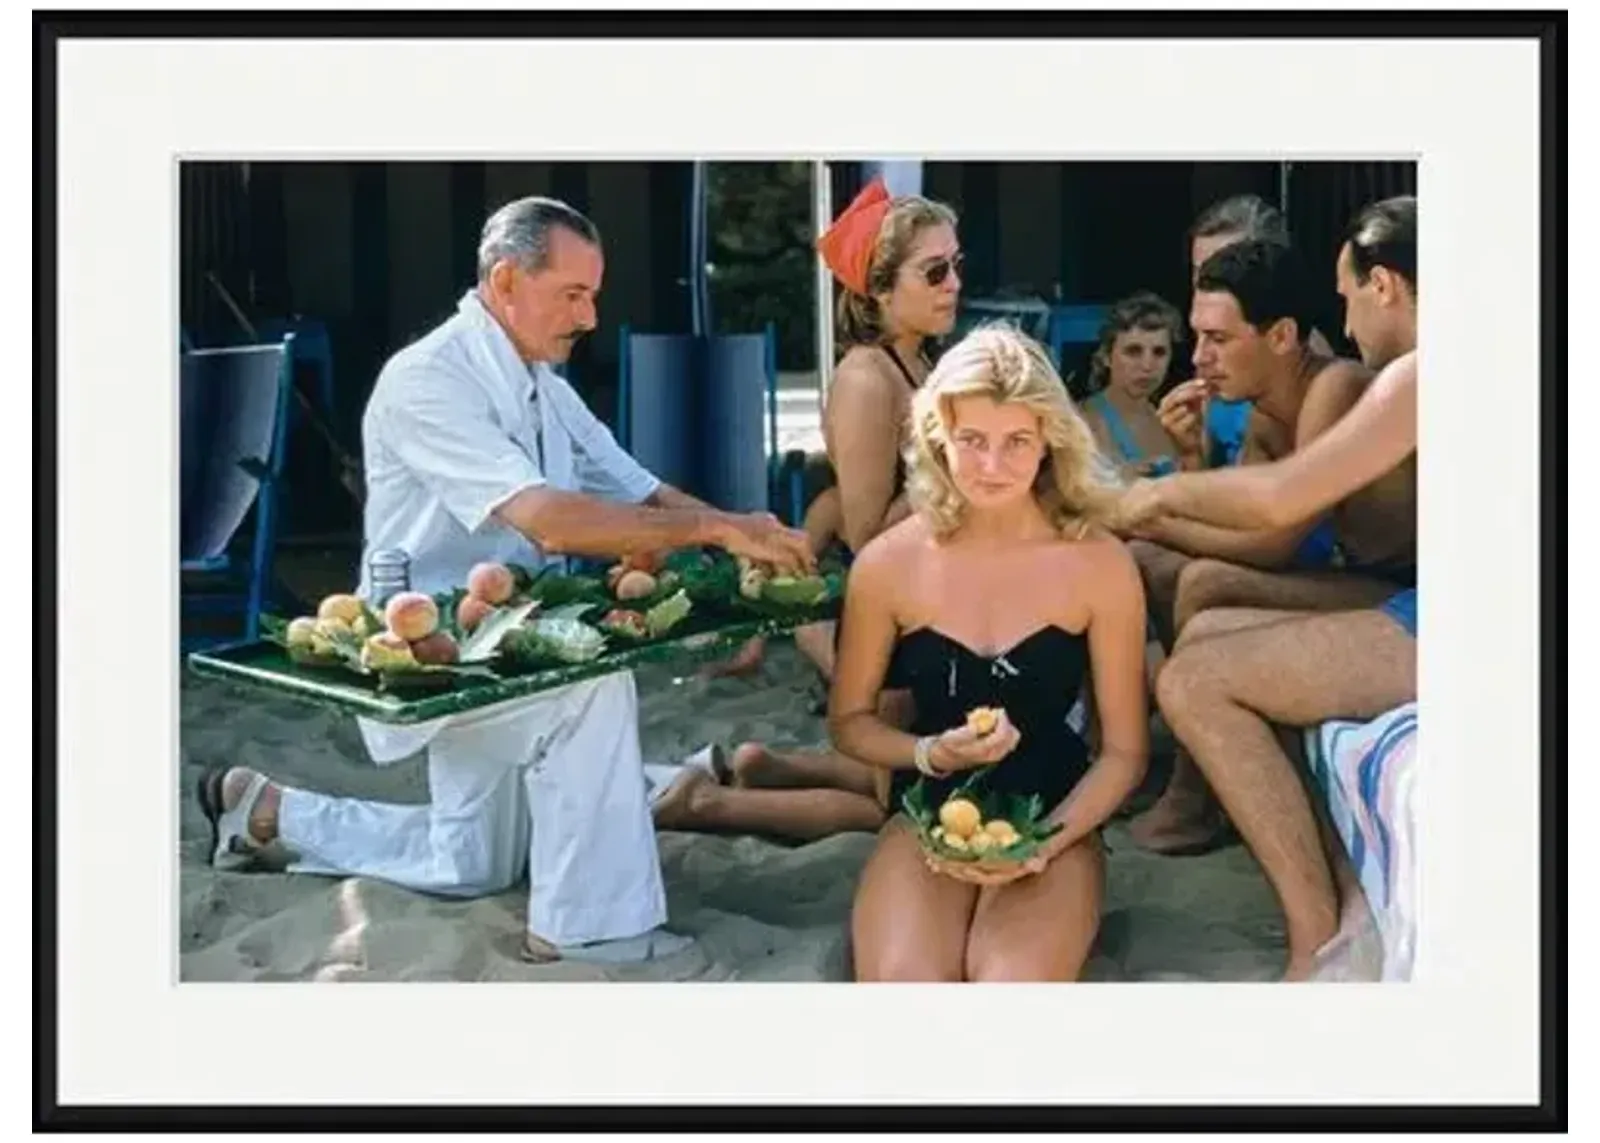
x,y
527,509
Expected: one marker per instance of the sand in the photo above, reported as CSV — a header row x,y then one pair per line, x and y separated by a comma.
x,y
758,909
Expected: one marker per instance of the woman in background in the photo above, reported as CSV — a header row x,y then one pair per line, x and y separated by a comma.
x,y
1128,367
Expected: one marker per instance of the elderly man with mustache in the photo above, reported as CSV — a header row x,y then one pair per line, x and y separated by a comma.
x,y
477,450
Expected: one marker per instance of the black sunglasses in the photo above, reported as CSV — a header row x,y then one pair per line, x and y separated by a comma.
x,y
935,272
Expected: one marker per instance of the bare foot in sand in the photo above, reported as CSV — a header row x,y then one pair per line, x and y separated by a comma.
x,y
683,803
1184,819
747,764
1178,825
1354,954
745,662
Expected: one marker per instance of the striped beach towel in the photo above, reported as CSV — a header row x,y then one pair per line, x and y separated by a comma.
x,y
1367,772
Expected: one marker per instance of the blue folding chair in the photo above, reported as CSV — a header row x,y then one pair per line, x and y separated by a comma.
x,y
702,412
739,458
312,346
657,405
1072,325
234,418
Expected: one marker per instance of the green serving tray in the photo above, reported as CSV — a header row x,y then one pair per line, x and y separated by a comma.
x,y
266,666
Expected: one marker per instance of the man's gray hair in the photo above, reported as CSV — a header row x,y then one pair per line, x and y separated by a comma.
x,y
1246,216
520,231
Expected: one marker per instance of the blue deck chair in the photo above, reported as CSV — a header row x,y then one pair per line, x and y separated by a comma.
x,y
739,460
1072,325
656,403
790,489
234,421
702,412
312,346
1030,315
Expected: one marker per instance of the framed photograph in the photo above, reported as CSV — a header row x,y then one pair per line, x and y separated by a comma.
x,y
652,546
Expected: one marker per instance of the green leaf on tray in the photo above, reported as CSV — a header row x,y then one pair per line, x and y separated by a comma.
x,y
558,639
706,578
569,611
667,614
792,591
485,640
553,589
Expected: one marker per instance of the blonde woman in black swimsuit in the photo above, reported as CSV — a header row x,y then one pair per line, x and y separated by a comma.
x,y
1003,588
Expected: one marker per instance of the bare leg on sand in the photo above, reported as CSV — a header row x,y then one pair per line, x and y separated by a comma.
x,y
802,795
697,802
1186,819
1221,696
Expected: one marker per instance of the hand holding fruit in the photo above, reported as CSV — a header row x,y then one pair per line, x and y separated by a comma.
x,y
1182,414
986,738
761,537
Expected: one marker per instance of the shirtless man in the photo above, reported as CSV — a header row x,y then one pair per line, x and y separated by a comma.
x,y
1236,673
1376,276
1251,346
1236,219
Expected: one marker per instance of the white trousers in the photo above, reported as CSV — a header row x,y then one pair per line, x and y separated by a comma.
x,y
551,785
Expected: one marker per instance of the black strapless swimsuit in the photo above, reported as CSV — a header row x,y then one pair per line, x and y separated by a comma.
x,y
1037,681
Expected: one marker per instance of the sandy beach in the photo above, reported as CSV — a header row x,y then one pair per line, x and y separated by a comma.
x,y
757,909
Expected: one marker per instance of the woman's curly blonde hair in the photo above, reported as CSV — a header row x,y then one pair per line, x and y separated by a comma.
x,y
1076,486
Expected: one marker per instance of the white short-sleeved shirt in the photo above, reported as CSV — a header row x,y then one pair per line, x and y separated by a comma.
x,y
456,426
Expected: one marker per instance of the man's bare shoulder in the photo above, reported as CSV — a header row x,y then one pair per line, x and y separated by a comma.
x,y
1398,377
1341,375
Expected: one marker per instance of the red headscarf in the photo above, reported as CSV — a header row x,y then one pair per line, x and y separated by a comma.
x,y
847,245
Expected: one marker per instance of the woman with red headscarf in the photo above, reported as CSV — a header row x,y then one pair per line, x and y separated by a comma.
x,y
898,263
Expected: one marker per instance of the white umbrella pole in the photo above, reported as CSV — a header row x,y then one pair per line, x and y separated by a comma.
x,y
822,218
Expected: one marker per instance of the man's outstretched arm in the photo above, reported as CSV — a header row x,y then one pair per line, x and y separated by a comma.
x,y
1373,438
